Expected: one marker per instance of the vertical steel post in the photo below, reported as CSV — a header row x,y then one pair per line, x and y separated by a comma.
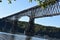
x,y
15,24
30,30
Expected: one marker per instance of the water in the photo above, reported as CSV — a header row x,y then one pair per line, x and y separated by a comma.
x,y
23,37
7,36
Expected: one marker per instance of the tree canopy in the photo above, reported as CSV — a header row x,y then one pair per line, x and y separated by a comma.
x,y
42,3
10,1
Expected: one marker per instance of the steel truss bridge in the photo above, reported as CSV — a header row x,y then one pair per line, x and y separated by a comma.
x,y
33,13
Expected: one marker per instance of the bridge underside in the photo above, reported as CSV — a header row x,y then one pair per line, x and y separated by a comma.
x,y
32,13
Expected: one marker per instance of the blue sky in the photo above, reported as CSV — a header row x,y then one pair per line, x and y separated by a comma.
x,y
19,5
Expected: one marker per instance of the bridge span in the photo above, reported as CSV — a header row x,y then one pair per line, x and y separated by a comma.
x,y
32,13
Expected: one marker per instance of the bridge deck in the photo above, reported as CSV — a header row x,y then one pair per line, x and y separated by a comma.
x,y
38,12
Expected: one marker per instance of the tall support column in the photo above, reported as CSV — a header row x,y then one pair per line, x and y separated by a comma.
x,y
30,30
4,29
15,25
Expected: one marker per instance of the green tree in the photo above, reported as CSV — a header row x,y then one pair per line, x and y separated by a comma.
x,y
44,3
40,2
10,1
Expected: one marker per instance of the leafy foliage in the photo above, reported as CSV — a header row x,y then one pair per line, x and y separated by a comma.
x,y
0,0
41,3
39,27
44,3
9,1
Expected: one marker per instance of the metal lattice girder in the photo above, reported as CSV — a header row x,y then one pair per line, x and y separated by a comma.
x,y
51,10
37,11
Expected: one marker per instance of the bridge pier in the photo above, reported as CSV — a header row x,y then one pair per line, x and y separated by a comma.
x,y
15,25
30,30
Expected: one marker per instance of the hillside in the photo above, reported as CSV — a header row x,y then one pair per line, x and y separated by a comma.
x,y
39,29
